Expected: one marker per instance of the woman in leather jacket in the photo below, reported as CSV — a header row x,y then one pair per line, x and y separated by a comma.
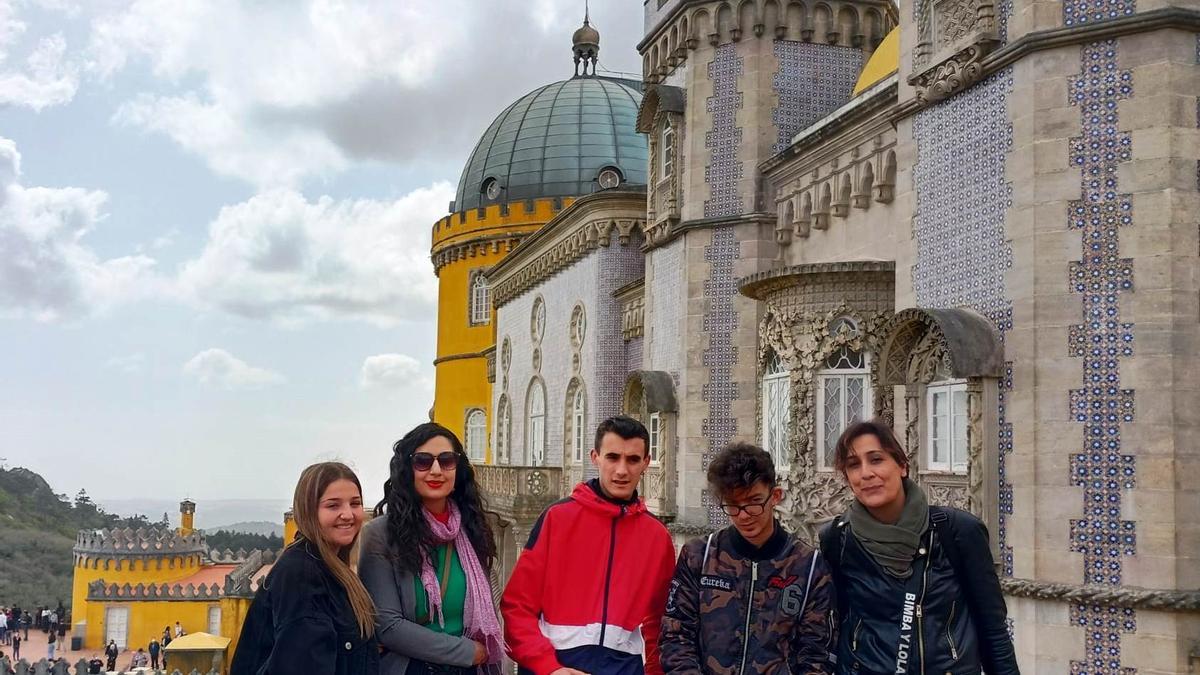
x,y
917,587
311,614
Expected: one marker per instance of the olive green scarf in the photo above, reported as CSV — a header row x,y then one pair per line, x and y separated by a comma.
x,y
893,546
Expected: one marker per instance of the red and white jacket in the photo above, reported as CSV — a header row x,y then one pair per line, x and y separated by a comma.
x,y
589,589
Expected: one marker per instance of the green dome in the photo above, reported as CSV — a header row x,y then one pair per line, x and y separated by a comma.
x,y
555,141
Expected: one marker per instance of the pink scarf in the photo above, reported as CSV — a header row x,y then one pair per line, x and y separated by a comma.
x,y
479,611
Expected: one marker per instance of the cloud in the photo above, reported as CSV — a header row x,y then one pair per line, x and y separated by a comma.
x,y
282,257
46,270
391,371
273,93
219,368
46,78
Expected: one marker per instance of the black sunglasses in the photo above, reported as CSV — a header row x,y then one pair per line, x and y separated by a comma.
x,y
423,461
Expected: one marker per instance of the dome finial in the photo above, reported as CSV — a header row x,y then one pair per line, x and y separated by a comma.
x,y
586,44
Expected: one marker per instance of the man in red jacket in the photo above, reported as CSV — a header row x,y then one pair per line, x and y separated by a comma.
x,y
588,592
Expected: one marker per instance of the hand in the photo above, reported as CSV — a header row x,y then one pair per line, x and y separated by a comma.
x,y
481,654
568,671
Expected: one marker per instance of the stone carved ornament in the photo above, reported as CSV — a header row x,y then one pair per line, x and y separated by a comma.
x,y
803,341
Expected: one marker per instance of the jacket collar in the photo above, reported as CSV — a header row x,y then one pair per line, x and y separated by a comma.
x,y
591,496
770,549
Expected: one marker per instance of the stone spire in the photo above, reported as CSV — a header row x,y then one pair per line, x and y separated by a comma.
x,y
586,45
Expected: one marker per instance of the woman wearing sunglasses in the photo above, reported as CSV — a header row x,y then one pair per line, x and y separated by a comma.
x,y
426,561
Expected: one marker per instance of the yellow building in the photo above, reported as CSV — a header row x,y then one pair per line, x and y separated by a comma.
x,y
557,143
131,584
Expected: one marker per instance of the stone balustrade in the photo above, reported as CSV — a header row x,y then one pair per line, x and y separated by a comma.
x,y
520,493
99,591
61,667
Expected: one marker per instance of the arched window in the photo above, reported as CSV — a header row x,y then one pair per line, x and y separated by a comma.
x,y
776,411
503,429
476,435
578,425
668,150
535,426
843,397
481,308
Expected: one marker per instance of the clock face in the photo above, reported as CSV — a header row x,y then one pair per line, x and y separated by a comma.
x,y
609,179
492,188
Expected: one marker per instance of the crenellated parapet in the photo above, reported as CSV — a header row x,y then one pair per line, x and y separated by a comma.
x,y
241,582
99,591
139,541
226,556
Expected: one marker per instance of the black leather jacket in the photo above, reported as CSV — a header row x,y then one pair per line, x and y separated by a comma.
x,y
959,621
301,622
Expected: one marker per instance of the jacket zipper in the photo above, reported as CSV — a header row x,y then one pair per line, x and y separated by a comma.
x,y
612,549
854,639
749,611
949,637
921,611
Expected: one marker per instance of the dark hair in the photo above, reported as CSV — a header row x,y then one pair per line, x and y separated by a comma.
x,y
406,523
877,428
625,427
739,467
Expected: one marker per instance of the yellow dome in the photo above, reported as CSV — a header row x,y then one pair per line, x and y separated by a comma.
x,y
884,62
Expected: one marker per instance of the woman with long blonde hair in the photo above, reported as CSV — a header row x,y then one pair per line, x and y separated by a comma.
x,y
311,614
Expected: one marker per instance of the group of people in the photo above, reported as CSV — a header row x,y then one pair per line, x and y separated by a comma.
x,y
895,585
149,656
15,623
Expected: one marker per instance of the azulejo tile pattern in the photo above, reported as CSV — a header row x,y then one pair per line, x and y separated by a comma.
x,y
665,315
1103,469
1077,12
724,171
963,251
721,355
812,81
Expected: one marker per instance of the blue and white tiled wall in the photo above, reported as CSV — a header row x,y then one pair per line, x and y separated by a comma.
x,y
1104,468
962,249
724,171
721,354
812,81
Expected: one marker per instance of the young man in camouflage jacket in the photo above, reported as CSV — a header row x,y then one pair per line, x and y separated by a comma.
x,y
749,599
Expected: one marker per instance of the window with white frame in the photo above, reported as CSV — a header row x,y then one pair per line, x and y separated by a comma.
x,y
946,410
656,429
535,427
578,424
476,435
214,619
668,150
843,398
503,429
481,309
776,411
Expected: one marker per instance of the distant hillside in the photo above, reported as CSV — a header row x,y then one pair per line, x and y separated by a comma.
x,y
211,514
263,527
37,533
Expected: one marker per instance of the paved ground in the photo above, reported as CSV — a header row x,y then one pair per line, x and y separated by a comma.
x,y
35,649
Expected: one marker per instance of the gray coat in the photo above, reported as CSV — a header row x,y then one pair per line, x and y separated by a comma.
x,y
395,606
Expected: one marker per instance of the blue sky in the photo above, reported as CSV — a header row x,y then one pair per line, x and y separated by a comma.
x,y
214,225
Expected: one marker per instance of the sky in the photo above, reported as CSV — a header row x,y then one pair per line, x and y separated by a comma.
x,y
215,218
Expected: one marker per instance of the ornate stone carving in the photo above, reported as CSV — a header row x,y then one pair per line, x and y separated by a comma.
x,y
953,20
950,76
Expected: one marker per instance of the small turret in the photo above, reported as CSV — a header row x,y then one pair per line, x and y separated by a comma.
x,y
187,513
585,43
289,527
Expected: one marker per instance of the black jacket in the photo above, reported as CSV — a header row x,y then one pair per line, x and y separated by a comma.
x,y
301,622
958,621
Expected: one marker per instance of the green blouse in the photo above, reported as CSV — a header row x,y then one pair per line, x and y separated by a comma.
x,y
454,601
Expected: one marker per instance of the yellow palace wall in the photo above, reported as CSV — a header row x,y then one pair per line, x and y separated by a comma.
x,y
148,618
121,572
460,369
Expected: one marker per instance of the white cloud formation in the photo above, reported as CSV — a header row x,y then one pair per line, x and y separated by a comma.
x,y
46,270
280,256
273,92
391,371
46,78
219,368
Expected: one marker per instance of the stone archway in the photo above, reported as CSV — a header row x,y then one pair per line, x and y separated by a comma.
x,y
649,396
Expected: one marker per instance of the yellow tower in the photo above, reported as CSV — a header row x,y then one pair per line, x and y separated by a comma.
x,y
187,513
553,145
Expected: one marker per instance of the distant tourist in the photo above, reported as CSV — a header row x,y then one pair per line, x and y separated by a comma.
x,y
178,630
166,640
95,665
26,621
312,615
428,554
110,653
4,626
16,645
140,659
588,592
154,649
51,643
891,551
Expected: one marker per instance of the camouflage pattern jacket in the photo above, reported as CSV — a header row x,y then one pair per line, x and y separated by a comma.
x,y
736,609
